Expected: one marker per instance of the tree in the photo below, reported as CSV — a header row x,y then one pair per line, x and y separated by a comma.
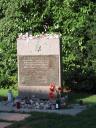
x,y
75,20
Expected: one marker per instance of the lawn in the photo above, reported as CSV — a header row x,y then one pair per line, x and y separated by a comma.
x,y
85,97
86,119
3,92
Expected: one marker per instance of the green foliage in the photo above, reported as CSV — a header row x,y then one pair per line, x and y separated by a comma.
x,y
75,20
79,46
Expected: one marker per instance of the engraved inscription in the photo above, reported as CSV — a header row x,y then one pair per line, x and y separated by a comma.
x,y
38,70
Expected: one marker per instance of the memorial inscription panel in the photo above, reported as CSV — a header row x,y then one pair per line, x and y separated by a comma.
x,y
38,70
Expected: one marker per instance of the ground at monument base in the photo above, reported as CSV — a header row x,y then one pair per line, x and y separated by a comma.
x,y
73,110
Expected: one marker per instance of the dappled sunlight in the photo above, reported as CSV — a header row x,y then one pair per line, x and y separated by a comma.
x,y
85,97
90,99
3,92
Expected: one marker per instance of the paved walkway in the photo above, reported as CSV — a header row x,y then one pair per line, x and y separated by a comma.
x,y
12,117
74,110
71,112
4,124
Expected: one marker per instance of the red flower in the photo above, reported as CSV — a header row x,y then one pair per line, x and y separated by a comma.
x,y
52,87
51,95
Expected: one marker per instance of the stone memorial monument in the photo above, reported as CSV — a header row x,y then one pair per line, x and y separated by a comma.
x,y
38,64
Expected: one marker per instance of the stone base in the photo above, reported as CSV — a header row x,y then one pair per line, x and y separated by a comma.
x,y
41,92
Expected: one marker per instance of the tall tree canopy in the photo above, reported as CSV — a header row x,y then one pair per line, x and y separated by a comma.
x,y
75,20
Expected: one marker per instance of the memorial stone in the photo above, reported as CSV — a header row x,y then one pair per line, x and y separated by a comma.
x,y
38,64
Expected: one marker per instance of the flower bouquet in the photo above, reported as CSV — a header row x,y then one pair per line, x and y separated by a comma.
x,y
55,94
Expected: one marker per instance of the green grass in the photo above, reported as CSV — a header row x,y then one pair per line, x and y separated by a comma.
x,y
3,92
85,97
86,119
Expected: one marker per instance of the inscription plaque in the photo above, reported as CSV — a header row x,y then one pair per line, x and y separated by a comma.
x,y
38,70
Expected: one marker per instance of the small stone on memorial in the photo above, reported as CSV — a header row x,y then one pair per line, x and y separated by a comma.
x,y
31,101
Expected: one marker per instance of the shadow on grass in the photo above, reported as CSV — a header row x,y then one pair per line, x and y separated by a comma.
x,y
44,120
85,97
86,119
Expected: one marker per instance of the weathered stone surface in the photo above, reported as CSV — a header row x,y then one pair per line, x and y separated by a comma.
x,y
38,64
38,70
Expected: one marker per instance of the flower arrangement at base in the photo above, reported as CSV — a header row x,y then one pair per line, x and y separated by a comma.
x,y
55,94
